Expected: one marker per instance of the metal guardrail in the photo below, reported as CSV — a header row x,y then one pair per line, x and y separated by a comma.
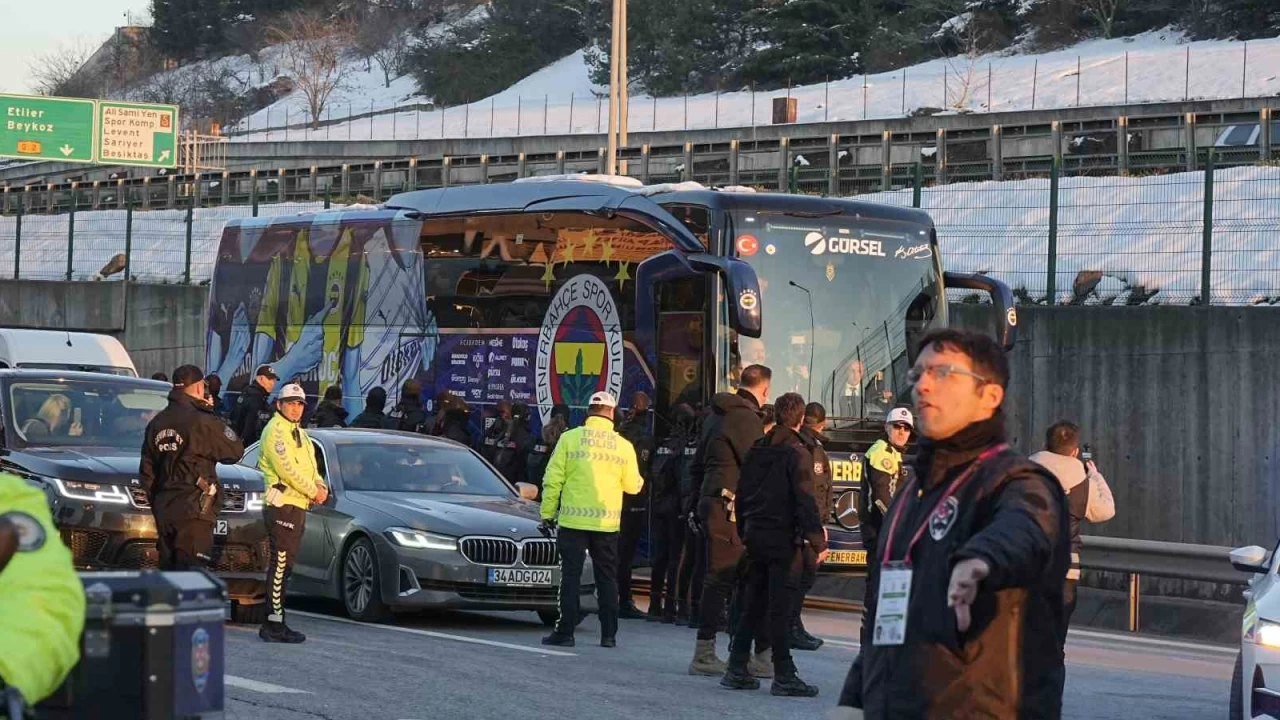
x,y
1135,558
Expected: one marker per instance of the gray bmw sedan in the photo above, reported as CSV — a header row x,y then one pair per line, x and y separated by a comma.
x,y
421,522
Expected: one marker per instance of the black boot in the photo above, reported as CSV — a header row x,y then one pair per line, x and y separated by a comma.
x,y
787,683
669,613
628,611
800,640
655,609
559,640
803,631
737,676
277,632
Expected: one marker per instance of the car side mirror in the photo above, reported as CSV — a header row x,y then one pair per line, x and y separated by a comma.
x,y
1251,559
527,491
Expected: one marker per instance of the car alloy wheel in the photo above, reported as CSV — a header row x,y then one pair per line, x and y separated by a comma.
x,y
360,586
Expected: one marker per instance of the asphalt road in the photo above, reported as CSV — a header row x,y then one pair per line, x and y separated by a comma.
x,y
467,665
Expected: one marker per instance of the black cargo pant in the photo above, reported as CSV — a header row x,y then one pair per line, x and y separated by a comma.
x,y
632,527
667,541
808,569
574,546
693,569
726,568
184,543
769,594
284,530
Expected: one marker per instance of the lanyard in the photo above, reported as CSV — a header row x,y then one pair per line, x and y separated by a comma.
x,y
951,489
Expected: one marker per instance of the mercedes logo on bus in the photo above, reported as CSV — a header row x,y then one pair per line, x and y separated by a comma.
x,y
847,510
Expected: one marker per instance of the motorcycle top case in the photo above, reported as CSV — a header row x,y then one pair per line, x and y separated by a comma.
x,y
153,648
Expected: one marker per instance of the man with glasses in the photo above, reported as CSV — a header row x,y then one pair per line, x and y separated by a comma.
x,y
883,473
292,479
966,588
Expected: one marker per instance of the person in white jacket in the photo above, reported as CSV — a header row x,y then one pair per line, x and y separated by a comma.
x,y
1088,495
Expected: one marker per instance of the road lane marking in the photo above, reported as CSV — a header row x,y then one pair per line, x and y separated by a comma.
x,y
1130,640
842,643
439,635
1116,638
268,688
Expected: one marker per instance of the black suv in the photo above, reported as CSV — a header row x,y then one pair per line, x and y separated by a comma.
x,y
78,436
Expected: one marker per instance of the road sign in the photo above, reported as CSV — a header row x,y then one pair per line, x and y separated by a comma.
x,y
137,134
47,128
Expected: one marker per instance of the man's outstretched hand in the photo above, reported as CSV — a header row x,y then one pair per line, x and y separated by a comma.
x,y
965,577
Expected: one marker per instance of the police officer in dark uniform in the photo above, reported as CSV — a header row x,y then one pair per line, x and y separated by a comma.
x,y
545,444
180,451
515,445
815,422
668,526
408,414
635,508
252,410
495,429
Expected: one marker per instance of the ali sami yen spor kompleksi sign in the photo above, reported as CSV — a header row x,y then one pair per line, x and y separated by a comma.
x,y
88,131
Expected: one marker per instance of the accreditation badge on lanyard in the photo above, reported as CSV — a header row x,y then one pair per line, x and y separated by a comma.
x,y
894,597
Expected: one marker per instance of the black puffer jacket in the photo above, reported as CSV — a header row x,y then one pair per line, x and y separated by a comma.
x,y
776,509
727,435
329,414
1010,513
822,494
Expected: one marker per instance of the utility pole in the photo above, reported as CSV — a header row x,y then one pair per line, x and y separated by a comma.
x,y
614,47
625,105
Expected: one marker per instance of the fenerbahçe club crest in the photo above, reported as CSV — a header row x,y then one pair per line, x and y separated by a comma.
x,y
579,346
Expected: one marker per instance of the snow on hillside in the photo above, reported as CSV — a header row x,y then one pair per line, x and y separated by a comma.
x,y
560,98
1136,239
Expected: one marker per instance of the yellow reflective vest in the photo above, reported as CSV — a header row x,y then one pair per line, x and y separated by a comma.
x,y
41,597
288,464
590,469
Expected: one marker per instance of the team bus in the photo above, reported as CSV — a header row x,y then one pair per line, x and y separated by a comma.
x,y
546,291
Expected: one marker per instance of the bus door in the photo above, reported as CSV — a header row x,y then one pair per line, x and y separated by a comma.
x,y
671,327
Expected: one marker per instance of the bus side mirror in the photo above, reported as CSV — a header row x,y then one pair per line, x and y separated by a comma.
x,y
742,287
1001,297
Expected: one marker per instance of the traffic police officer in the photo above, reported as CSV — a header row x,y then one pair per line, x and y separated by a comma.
x,y
590,469
292,479
884,473
253,411
180,451
41,598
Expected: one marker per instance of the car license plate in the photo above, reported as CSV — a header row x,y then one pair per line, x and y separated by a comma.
x,y
519,577
847,557
220,527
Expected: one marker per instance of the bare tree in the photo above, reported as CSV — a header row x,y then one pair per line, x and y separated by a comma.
x,y
62,71
311,52
965,30
393,49
1104,12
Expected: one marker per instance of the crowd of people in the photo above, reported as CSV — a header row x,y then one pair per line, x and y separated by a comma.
x,y
973,549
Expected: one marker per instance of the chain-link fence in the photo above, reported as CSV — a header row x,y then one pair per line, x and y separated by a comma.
x,y
1174,238
965,83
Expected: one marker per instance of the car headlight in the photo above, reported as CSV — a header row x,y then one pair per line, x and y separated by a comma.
x,y
1266,633
110,494
253,501
417,539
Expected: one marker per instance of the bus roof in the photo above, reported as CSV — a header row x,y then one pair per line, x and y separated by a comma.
x,y
798,204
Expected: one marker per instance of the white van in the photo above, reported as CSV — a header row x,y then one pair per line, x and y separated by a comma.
x,y
62,350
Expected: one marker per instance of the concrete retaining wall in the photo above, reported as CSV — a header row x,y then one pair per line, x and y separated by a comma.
x,y
1179,403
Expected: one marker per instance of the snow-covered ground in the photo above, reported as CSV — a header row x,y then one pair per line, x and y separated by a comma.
x,y
1131,238
560,98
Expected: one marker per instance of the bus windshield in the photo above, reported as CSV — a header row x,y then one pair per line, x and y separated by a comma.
x,y
862,278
